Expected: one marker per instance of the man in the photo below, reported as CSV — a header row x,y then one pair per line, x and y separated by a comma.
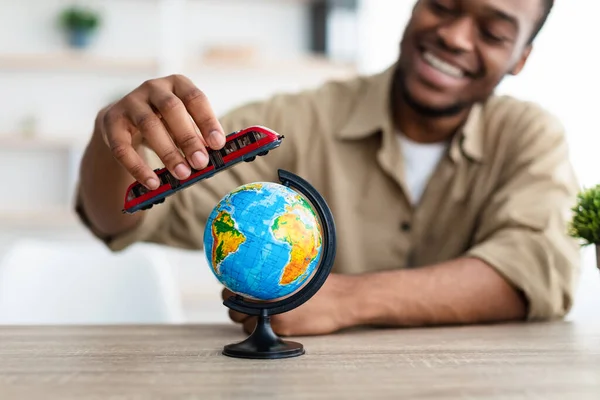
x,y
451,203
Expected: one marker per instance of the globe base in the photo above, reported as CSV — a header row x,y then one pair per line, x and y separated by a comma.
x,y
263,343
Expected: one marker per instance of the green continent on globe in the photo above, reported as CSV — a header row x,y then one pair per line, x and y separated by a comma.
x,y
226,238
304,239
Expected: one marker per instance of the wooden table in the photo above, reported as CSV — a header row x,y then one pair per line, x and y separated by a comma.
x,y
542,361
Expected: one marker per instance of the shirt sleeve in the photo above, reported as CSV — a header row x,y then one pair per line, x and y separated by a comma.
x,y
179,221
523,229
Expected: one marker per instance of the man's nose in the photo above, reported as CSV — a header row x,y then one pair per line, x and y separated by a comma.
x,y
457,35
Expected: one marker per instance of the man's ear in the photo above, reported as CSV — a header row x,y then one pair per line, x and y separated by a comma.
x,y
522,60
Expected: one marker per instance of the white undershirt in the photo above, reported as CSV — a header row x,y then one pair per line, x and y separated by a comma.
x,y
420,160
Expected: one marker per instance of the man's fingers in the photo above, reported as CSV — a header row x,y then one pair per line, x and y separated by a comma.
x,y
181,127
166,114
226,293
119,139
249,324
200,109
158,139
236,316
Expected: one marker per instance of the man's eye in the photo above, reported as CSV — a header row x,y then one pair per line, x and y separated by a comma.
x,y
441,7
490,36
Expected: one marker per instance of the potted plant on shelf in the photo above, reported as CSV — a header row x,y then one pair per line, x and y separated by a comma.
x,y
585,223
80,24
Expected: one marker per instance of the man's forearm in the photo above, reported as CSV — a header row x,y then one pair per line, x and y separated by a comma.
x,y
461,291
102,186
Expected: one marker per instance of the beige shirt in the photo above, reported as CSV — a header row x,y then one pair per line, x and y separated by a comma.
x,y
502,192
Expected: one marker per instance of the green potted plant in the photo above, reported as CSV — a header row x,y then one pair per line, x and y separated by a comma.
x,y
79,23
585,223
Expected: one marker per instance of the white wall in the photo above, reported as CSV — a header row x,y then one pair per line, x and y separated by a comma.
x,y
32,28
381,24
65,103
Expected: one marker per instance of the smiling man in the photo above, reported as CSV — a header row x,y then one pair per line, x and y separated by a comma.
x,y
451,203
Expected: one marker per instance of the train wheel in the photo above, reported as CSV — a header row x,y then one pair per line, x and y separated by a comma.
x,y
250,159
263,153
160,201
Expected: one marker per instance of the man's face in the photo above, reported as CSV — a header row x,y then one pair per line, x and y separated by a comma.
x,y
455,52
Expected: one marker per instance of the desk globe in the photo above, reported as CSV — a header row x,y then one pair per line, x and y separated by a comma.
x,y
273,245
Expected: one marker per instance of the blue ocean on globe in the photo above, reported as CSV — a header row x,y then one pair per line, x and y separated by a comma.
x,y
263,241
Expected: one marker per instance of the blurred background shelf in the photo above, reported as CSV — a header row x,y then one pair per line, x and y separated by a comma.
x,y
273,67
83,62
41,218
76,61
14,142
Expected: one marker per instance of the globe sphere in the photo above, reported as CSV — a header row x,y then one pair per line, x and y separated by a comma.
x,y
263,241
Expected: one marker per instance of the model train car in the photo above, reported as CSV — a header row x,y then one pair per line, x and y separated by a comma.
x,y
243,145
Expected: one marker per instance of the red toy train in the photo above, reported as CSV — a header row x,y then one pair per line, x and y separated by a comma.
x,y
243,145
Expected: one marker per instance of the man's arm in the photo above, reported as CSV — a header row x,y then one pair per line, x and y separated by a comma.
x,y
102,185
461,291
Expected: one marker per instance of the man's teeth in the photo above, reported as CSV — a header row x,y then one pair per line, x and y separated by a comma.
x,y
443,66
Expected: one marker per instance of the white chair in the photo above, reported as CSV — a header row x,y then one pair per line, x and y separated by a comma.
x,y
43,282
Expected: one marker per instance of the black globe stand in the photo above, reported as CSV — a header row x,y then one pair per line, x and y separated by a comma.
x,y
264,343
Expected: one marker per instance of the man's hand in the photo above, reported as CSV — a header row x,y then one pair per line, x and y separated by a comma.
x,y
165,114
328,311
169,115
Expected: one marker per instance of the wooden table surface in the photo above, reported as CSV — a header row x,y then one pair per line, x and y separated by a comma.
x,y
558,360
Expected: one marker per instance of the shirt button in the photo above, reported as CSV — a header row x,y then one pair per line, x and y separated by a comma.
x,y
405,226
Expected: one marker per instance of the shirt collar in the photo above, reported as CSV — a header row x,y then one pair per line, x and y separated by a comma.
x,y
468,141
373,115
